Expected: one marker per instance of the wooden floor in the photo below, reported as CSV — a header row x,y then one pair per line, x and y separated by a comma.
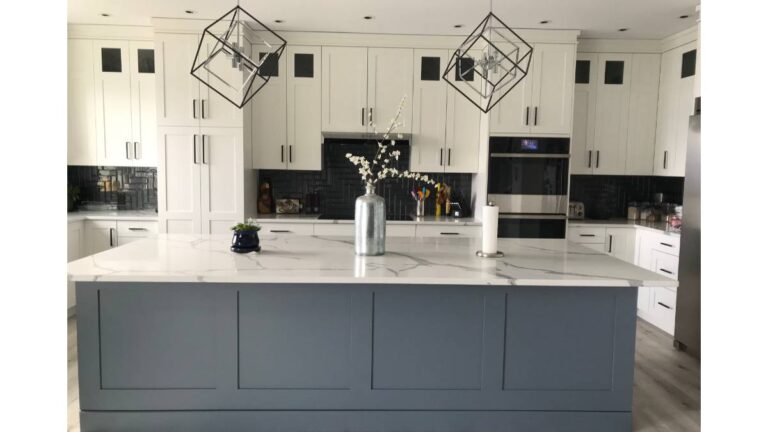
x,y
667,394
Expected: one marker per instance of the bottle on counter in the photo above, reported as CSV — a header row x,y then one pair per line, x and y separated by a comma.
x,y
633,211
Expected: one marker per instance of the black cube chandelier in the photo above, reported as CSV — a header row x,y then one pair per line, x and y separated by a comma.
x,y
237,55
494,53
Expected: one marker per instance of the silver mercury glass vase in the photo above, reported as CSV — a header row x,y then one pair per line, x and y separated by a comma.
x,y
370,223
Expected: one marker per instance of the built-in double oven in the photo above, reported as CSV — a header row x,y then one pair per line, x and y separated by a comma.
x,y
528,181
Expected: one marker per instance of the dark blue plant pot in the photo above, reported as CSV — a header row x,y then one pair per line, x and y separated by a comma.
x,y
245,241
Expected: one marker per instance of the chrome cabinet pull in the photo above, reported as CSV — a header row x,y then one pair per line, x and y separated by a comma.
x,y
586,235
111,242
449,233
665,159
666,271
279,231
666,244
597,161
589,162
194,149
362,116
204,162
290,153
136,150
282,154
663,305
449,157
194,108
370,116
202,108
535,116
527,112
127,151
137,229
441,157
610,243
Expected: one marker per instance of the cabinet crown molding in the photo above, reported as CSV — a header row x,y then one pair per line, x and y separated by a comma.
x,y
110,32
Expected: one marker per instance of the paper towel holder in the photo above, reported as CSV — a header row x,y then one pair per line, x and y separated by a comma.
x,y
482,254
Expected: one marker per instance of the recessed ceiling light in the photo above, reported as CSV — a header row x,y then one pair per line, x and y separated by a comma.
x,y
368,17
684,16
458,25
544,22
189,11
278,21
623,29
105,14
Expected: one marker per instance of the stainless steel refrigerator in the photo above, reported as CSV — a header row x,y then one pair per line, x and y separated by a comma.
x,y
688,315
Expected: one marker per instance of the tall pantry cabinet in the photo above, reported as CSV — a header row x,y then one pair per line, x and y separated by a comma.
x,y
204,168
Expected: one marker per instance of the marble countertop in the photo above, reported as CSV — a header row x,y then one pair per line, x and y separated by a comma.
x,y
312,259
661,226
313,218
111,215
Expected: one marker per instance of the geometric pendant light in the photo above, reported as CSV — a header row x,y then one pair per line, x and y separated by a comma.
x,y
237,55
490,62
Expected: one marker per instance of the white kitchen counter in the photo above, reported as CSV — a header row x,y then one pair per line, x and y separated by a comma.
x,y
313,218
311,259
661,227
112,215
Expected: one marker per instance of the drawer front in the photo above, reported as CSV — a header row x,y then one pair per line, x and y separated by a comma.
x,y
447,231
123,240
100,224
664,302
586,234
287,228
401,230
665,264
667,244
597,247
136,228
347,229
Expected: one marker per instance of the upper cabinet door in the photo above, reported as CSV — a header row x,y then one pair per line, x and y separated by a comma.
x,y
552,100
643,100
390,77
514,113
81,108
429,110
585,99
462,135
612,113
178,94
215,110
143,105
113,101
304,119
344,89
222,179
268,119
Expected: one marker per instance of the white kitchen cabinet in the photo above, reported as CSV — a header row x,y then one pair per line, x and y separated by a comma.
x,y
283,229
542,102
100,235
390,77
662,309
588,234
125,103
344,89
676,100
75,250
585,101
81,103
448,231
446,125
620,243
132,230
664,264
304,102
200,180
285,114
643,102
612,113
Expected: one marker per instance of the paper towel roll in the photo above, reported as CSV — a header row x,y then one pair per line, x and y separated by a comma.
x,y
490,229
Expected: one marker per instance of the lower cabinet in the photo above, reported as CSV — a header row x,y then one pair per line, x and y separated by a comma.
x,y
100,235
620,243
75,250
448,231
348,229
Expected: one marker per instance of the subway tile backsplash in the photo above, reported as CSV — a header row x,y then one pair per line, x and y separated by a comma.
x,y
607,197
119,188
338,184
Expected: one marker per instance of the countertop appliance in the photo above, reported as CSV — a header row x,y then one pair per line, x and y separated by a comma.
x,y
688,313
528,180
575,210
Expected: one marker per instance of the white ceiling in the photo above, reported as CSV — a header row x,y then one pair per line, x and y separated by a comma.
x,y
645,19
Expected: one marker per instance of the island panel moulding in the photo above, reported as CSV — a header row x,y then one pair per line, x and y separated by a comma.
x,y
237,55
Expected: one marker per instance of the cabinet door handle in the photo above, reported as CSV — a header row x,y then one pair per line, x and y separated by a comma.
x,y
279,231
290,153
586,235
137,229
665,159
597,160
449,157
362,116
194,149
282,154
663,305
111,242
202,108
536,116
449,233
666,244
589,161
370,116
610,243
441,157
194,108
136,150
127,143
527,112
666,271
204,162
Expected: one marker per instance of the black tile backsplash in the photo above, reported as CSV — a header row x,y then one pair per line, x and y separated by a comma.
x,y
338,184
607,197
124,188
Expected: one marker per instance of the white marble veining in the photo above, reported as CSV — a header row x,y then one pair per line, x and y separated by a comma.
x,y
660,226
313,218
311,259
112,215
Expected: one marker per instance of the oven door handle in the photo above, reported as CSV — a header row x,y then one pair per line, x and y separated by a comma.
x,y
531,155
532,216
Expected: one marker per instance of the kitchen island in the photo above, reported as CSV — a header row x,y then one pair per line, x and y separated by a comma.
x,y
178,333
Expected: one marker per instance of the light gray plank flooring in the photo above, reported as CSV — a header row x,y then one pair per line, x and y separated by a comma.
x,y
667,395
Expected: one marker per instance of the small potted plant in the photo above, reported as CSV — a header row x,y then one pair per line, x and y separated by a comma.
x,y
246,237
